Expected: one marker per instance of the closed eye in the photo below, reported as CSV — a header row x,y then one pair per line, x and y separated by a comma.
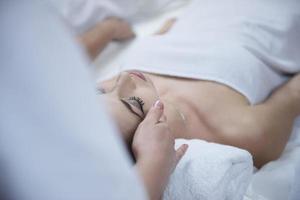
x,y
138,102
135,105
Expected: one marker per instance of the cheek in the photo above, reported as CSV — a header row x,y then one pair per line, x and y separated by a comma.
x,y
149,98
123,119
127,126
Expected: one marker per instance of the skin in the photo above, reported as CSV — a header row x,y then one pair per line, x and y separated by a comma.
x,y
153,148
118,96
99,36
262,129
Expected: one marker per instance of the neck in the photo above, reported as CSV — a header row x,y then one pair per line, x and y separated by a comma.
x,y
177,115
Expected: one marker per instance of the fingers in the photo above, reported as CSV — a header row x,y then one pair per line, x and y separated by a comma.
x,y
155,113
131,33
127,32
180,153
122,29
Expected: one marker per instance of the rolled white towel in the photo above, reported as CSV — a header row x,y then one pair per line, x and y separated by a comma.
x,y
210,171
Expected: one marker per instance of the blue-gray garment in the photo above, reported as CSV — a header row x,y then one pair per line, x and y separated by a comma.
x,y
56,142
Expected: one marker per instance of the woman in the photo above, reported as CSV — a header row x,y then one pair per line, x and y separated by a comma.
x,y
207,110
230,99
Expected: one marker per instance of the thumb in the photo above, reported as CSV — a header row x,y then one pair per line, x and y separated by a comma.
x,y
155,113
180,153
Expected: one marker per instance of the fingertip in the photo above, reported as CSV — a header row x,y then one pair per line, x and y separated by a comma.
x,y
155,112
158,104
181,151
185,146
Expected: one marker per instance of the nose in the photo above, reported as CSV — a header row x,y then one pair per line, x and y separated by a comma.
x,y
122,80
125,82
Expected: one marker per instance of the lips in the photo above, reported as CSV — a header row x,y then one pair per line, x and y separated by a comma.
x,y
138,74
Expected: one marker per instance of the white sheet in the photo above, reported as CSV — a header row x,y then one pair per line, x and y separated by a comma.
x,y
279,180
83,14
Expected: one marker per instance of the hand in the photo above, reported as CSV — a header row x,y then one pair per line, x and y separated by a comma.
x,y
166,27
153,139
153,148
121,30
99,36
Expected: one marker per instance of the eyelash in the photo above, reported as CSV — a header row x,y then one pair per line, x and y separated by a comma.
x,y
139,100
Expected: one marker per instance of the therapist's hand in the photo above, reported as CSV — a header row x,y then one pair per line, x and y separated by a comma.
x,y
99,36
120,29
153,148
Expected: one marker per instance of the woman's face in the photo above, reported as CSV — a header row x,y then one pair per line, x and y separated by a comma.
x,y
129,97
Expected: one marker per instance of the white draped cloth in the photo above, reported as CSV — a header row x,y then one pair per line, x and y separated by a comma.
x,y
83,14
55,140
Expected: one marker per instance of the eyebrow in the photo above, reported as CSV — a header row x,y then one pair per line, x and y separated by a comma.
x,y
129,108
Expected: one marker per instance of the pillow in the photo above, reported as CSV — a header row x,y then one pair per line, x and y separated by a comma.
x,y
210,171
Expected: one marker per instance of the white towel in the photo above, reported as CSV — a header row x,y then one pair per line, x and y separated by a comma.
x,y
210,171
246,45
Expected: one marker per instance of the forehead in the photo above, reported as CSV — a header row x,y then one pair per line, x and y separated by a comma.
x,y
109,83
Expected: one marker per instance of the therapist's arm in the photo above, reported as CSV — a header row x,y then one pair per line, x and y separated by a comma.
x,y
153,148
98,37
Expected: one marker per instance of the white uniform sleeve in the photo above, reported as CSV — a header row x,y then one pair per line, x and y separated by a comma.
x,y
56,142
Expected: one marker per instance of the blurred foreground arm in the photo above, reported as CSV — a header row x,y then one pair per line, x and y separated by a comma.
x,y
98,37
153,148
54,135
